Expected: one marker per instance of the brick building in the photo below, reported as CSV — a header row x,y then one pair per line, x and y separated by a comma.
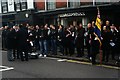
x,y
56,12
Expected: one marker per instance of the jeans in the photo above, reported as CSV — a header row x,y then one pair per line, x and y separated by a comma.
x,y
9,55
43,47
53,46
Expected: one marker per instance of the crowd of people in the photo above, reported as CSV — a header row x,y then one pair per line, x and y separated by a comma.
x,y
49,38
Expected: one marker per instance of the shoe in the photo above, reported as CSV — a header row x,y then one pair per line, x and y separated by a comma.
x,y
90,58
40,55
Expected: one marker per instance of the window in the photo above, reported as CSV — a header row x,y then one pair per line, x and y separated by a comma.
x,y
17,3
86,2
74,3
23,4
4,6
102,2
51,4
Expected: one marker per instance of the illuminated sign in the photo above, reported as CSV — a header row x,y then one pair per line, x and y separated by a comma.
x,y
72,14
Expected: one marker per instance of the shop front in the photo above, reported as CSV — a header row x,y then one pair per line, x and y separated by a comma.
x,y
82,15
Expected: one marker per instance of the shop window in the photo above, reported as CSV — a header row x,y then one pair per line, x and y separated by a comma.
x,y
51,4
74,3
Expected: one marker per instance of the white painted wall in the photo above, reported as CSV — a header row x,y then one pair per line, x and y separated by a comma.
x,y
0,7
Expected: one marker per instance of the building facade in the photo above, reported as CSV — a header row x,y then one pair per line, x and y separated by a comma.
x,y
64,12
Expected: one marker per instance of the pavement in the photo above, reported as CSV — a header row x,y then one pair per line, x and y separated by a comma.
x,y
49,67
85,59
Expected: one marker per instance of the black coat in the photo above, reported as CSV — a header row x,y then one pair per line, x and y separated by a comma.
x,y
80,37
31,35
106,40
90,32
10,39
95,45
53,34
43,34
22,39
15,35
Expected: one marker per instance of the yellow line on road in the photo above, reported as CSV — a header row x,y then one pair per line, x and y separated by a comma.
x,y
74,61
111,67
88,63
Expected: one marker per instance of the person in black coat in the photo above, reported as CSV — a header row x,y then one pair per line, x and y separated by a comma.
x,y
4,33
113,40
15,32
89,32
117,46
9,44
71,38
80,41
106,41
43,40
53,38
95,45
37,28
23,43
60,38
66,40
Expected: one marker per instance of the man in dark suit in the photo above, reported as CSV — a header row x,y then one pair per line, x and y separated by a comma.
x,y
4,34
89,32
80,40
15,32
9,44
23,43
